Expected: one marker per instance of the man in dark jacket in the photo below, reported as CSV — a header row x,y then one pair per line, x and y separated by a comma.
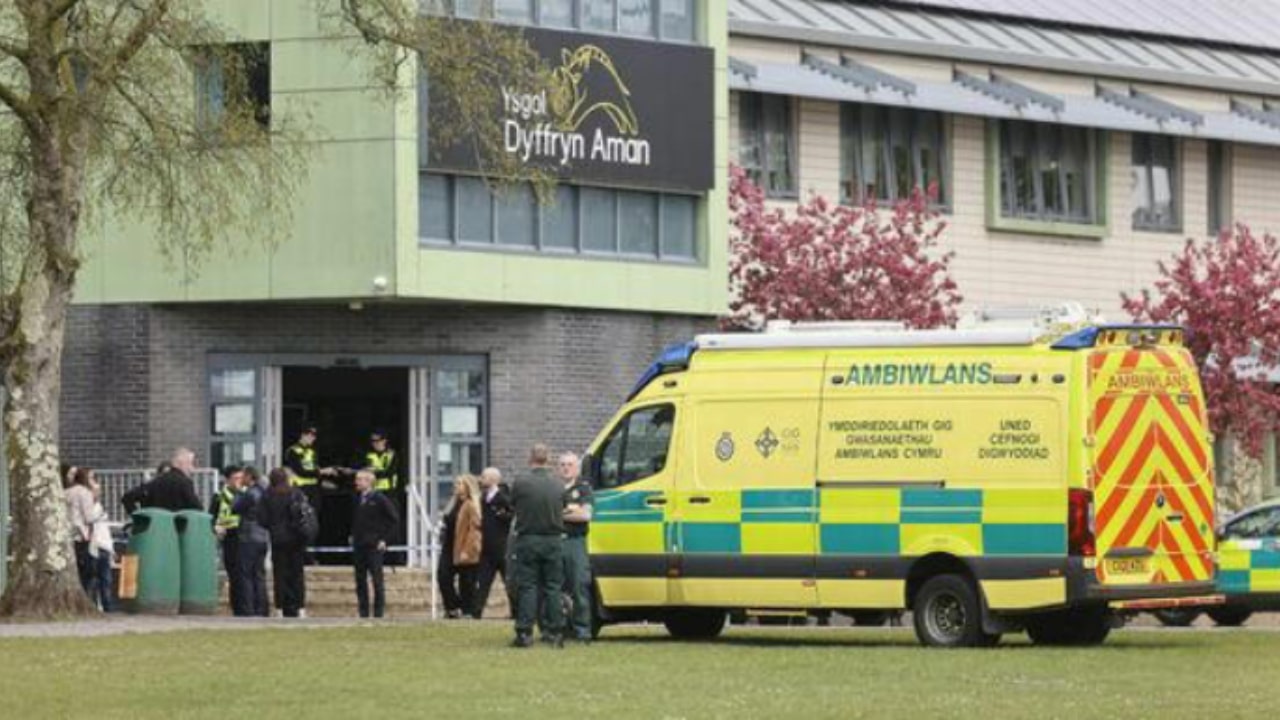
x,y
373,525
171,490
495,527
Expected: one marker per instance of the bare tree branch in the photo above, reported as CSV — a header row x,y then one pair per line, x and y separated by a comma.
x,y
20,106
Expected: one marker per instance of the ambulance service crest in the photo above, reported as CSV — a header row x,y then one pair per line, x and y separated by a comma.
x,y
724,447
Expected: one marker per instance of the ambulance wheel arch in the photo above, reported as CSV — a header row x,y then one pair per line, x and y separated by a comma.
x,y
930,566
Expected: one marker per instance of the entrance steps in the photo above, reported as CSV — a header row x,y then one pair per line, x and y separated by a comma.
x,y
331,592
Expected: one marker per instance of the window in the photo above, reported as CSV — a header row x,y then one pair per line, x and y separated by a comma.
x,y
556,13
886,153
235,78
233,404
1049,173
766,144
678,20
458,410
635,17
463,210
1155,183
513,11
637,448
670,20
1259,524
598,15
1219,186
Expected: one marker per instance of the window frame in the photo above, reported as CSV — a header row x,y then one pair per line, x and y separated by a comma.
x,y
1098,170
760,131
851,146
578,249
624,424
253,56
1221,186
1143,143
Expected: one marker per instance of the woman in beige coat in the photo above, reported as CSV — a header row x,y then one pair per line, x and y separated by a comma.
x,y
460,547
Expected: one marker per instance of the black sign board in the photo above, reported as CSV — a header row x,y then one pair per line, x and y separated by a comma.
x,y
622,112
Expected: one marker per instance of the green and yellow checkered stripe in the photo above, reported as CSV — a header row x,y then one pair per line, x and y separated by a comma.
x,y
850,521
1243,569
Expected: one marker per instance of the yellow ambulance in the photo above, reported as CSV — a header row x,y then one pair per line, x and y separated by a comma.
x,y
1019,473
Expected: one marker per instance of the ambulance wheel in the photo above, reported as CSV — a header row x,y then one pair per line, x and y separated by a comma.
x,y
946,613
1176,617
1229,615
695,623
1077,627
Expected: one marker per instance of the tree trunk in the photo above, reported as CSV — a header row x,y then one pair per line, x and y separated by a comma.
x,y
43,582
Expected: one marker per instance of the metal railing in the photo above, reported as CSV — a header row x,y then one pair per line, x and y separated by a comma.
x,y
116,482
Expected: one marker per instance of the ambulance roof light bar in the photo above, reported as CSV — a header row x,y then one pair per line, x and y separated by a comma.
x,y
788,326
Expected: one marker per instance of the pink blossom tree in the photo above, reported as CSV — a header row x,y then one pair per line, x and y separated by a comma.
x,y
826,261
1226,292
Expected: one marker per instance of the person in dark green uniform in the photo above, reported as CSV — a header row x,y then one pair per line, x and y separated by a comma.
x,y
577,567
538,500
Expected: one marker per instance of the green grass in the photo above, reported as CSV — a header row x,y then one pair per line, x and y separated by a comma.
x,y
456,671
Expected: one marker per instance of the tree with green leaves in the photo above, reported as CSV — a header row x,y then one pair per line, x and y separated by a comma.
x,y
99,118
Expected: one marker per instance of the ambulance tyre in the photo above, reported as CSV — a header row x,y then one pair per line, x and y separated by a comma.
x,y
1176,617
1229,615
695,623
1077,627
946,613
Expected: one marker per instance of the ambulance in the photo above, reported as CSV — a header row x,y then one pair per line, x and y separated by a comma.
x,y
1020,473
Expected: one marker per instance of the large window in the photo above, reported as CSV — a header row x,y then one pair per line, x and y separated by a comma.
x,y
767,143
668,20
233,408
464,211
234,77
637,448
1049,173
1219,211
1155,183
886,153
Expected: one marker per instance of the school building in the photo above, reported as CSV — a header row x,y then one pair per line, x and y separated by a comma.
x,y
1074,144
407,295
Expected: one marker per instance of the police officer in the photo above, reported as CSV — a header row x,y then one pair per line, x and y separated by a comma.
x,y
226,525
577,568
304,464
381,460
538,500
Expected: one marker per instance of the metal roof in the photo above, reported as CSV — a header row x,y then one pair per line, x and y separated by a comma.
x,y
1248,23
924,29
1113,107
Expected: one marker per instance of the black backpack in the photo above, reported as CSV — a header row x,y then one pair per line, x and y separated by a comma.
x,y
302,519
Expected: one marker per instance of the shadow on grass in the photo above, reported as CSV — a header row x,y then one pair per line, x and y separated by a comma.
x,y
862,638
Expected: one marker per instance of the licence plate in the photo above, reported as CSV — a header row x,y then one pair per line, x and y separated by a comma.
x,y
1127,566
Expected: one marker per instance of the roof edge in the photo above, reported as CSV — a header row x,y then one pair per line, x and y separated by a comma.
x,y
921,48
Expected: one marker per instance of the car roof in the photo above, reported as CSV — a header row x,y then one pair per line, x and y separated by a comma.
x,y
1273,502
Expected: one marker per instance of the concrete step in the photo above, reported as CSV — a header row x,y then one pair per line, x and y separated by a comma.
x,y
331,592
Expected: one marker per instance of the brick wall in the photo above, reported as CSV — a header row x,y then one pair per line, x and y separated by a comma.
x,y
105,408
555,375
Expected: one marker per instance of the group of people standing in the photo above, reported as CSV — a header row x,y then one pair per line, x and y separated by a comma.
x,y
533,533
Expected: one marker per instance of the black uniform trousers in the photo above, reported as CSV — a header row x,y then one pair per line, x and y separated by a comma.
x,y
230,563
287,561
368,566
251,578
493,562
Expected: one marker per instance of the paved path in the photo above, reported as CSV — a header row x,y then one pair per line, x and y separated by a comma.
x,y
143,624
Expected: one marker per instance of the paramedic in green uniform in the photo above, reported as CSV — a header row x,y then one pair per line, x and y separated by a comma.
x,y
577,568
538,500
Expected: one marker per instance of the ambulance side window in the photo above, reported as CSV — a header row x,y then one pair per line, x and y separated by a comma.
x,y
1260,524
637,448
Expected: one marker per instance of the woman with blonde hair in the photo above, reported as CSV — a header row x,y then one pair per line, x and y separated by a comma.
x,y
460,547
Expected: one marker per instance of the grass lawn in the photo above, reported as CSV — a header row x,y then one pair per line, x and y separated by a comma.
x,y
465,670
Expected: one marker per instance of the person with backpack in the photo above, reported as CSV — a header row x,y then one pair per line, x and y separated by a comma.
x,y
292,523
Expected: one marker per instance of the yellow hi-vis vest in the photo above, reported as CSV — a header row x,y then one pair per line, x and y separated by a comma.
x,y
380,462
227,520
307,460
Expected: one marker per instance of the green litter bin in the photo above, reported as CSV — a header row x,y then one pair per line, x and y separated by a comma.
x,y
150,578
198,548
